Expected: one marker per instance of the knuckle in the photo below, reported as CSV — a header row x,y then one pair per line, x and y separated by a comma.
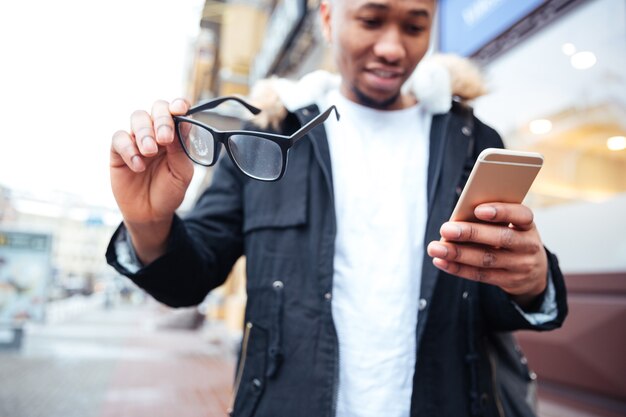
x,y
480,275
470,232
526,266
454,252
164,120
143,132
507,237
489,258
513,284
535,247
519,281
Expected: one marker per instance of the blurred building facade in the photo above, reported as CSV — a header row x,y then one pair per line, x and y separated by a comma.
x,y
556,71
79,231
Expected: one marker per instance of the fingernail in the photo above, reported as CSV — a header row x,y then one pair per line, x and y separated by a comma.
x,y
486,212
148,144
437,250
440,263
450,231
165,133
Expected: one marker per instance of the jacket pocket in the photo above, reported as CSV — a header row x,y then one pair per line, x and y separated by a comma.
x,y
274,225
250,378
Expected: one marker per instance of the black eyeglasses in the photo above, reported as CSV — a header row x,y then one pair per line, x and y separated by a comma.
x,y
259,155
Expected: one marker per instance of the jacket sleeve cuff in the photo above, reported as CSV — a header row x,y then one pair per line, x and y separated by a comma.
x,y
121,254
548,309
126,255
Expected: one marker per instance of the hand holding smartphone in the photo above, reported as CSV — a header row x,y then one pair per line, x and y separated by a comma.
x,y
499,175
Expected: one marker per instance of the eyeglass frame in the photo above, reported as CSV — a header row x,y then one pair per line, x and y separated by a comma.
x,y
221,136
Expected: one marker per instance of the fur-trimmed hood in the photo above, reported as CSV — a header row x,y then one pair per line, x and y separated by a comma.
x,y
436,80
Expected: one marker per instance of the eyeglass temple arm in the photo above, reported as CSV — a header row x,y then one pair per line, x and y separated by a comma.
x,y
214,103
314,123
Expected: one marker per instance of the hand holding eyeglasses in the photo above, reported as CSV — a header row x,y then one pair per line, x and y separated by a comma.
x,y
151,166
150,174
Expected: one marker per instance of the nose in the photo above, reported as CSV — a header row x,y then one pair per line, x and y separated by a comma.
x,y
389,46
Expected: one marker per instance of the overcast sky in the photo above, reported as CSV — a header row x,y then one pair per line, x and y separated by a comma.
x,y
72,72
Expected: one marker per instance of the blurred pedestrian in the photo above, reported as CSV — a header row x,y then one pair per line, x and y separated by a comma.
x,y
345,315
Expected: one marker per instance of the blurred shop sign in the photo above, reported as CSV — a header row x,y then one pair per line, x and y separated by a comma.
x,y
465,26
282,27
25,267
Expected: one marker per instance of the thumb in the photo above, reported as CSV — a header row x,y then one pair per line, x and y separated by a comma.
x,y
181,167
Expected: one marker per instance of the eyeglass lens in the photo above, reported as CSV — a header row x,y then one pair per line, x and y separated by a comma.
x,y
256,156
198,142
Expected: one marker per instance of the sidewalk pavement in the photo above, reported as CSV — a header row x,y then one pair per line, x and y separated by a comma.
x,y
118,362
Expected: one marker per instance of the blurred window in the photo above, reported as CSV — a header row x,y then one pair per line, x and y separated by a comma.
x,y
562,92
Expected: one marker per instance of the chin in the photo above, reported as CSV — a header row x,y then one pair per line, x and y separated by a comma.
x,y
381,102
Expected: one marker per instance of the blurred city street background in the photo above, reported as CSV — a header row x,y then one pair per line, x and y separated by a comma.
x,y
131,357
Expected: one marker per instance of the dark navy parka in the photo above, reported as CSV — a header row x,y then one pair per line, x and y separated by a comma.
x,y
286,229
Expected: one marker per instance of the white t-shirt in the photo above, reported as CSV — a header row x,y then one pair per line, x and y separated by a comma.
x,y
379,164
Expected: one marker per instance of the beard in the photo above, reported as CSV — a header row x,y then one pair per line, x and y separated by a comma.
x,y
368,101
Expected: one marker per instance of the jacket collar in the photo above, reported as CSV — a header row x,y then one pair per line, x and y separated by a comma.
x,y
435,81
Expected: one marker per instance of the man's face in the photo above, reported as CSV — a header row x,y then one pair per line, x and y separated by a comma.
x,y
377,44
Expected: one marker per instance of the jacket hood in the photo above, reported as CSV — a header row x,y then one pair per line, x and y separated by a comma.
x,y
436,80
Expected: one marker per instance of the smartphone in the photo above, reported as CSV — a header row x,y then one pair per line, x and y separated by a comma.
x,y
499,175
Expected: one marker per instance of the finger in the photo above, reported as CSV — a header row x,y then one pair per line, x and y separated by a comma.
x,y
179,107
495,235
468,272
142,129
473,255
163,122
487,257
125,152
485,275
516,214
514,283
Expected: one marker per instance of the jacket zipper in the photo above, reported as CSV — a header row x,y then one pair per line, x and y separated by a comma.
x,y
494,387
242,363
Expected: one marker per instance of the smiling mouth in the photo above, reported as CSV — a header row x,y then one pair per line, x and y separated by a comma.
x,y
386,74
383,80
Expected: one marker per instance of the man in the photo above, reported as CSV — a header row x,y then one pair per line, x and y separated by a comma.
x,y
345,316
